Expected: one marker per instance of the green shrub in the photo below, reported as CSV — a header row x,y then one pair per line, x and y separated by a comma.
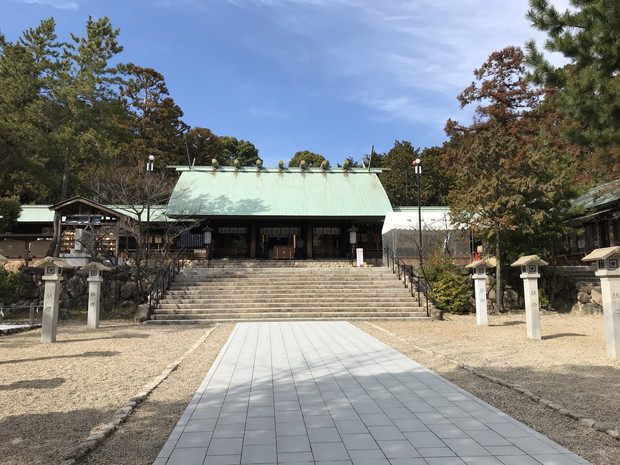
x,y
543,301
449,290
9,286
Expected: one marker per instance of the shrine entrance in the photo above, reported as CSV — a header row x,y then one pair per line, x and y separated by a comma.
x,y
280,242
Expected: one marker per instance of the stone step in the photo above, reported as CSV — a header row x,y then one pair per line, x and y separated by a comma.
x,y
297,290
287,315
284,279
286,283
281,273
272,293
286,304
289,309
264,318
290,268
270,264
261,299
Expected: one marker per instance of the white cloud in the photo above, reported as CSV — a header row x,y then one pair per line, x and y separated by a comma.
x,y
59,4
268,112
396,57
176,4
403,52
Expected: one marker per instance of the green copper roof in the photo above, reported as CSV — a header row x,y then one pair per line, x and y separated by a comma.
x,y
289,192
43,214
36,214
600,196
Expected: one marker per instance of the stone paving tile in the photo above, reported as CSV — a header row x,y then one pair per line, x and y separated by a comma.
x,y
259,454
308,393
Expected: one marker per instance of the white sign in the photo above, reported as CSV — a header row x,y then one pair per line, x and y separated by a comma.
x,y
360,257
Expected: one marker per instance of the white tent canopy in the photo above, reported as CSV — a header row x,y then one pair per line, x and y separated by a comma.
x,y
401,232
433,218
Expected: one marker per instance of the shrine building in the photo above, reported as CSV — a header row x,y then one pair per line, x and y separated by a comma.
x,y
272,213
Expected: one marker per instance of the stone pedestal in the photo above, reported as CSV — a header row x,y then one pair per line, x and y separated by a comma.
x,y
479,268
482,313
95,278
49,320
52,276
529,274
532,308
610,287
94,300
608,269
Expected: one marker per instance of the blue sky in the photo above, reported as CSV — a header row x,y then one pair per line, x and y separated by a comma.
x,y
330,76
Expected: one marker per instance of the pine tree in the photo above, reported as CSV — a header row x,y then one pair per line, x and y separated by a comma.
x,y
588,34
155,121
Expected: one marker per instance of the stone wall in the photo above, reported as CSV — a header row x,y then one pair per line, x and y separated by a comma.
x,y
589,300
570,295
117,289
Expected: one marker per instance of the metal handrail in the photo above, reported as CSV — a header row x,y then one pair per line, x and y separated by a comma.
x,y
157,290
407,274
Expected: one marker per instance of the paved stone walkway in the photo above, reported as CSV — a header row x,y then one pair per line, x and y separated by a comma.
x,y
327,393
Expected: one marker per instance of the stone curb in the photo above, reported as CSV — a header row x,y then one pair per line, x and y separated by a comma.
x,y
102,431
21,329
589,422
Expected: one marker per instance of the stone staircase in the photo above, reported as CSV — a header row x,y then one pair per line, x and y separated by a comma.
x,y
277,290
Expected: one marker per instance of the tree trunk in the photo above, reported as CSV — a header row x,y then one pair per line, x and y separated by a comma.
x,y
554,280
54,248
65,180
498,278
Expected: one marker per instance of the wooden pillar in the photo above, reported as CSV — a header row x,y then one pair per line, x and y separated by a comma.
x,y
253,239
117,239
309,240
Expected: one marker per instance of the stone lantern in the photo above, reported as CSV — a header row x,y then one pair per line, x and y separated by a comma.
x,y
608,270
529,273
479,276
52,276
353,241
208,240
95,278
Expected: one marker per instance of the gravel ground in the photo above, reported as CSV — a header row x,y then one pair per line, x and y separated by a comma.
x,y
47,409
52,395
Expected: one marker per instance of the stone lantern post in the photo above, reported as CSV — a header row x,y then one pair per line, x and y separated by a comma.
x,y
529,273
608,269
479,276
52,276
95,278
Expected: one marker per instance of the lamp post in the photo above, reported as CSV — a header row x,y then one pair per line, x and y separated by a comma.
x,y
208,239
149,169
352,240
418,170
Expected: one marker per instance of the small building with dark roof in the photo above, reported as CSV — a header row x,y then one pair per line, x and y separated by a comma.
x,y
598,223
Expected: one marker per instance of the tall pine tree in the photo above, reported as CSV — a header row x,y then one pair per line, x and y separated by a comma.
x,y
588,35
